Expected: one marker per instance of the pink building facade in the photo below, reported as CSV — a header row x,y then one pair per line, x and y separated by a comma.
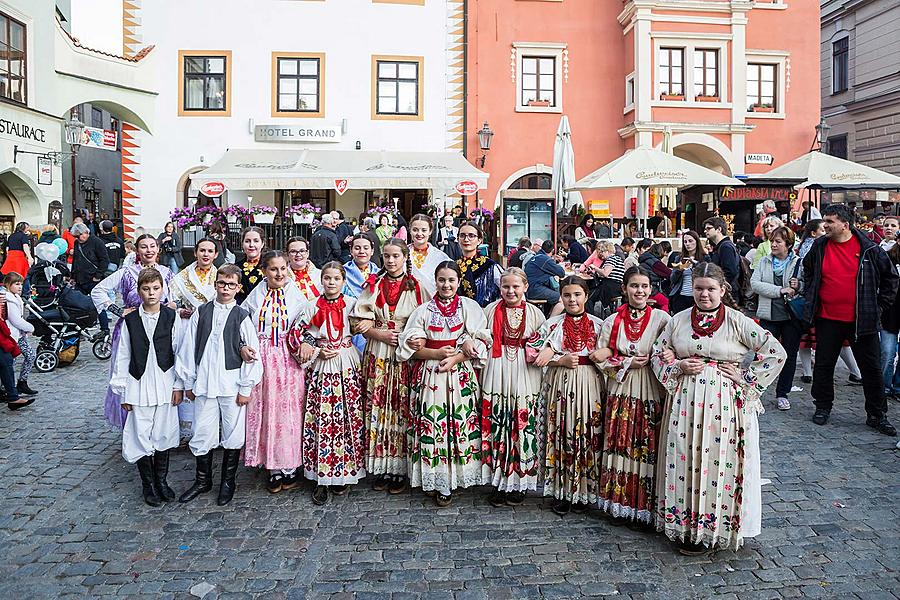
x,y
735,81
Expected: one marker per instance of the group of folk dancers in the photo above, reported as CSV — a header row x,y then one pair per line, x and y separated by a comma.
x,y
651,418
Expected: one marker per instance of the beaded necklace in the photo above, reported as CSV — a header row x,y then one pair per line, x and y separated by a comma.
x,y
706,322
578,333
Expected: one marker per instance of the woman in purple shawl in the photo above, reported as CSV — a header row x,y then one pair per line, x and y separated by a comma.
x,y
124,283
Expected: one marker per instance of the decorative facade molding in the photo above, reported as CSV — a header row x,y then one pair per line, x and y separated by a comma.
x,y
456,68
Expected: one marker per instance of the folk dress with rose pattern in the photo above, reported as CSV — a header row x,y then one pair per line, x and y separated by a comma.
x,y
708,472
445,436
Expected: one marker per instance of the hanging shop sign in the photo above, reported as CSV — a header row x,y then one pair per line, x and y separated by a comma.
x,y
104,139
45,171
297,133
757,193
758,159
212,189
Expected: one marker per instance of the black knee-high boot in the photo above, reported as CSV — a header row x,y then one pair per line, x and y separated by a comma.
x,y
202,479
229,471
160,471
145,468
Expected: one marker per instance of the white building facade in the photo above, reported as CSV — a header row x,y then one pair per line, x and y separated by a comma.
x,y
280,100
44,74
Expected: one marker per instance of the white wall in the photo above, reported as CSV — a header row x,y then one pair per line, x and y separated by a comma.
x,y
349,32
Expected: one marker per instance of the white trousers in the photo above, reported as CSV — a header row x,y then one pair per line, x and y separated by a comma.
x,y
149,429
217,422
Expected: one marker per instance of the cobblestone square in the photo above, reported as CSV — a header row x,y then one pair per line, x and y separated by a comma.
x,y
72,524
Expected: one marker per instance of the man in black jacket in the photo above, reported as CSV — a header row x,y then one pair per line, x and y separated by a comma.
x,y
115,247
324,245
89,262
344,233
724,253
848,282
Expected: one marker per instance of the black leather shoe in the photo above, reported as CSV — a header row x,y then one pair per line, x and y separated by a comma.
x,y
562,507
229,470
23,388
16,404
320,495
497,499
881,425
145,469
821,416
806,378
202,479
160,471
853,379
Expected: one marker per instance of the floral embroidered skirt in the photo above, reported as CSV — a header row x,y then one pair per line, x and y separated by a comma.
x,y
510,447
445,444
574,433
630,434
386,408
708,475
333,447
275,412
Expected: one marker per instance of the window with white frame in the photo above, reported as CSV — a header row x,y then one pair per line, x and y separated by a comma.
x,y
706,72
629,91
671,71
540,69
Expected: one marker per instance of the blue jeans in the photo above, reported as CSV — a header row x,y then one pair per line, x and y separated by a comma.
x,y
8,376
889,372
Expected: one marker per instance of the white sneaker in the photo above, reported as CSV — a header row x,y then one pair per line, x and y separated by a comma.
x,y
783,404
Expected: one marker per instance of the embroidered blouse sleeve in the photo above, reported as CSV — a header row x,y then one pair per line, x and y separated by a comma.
x,y
767,363
250,372
185,366
668,374
100,293
118,380
415,328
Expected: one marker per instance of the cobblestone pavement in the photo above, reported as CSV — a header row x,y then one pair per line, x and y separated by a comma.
x,y
72,523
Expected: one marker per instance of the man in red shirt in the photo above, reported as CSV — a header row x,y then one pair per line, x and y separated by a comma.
x,y
848,282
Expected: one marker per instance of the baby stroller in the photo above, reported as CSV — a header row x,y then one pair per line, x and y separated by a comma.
x,y
59,322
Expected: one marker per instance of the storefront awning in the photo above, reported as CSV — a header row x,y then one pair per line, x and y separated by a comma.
x,y
264,169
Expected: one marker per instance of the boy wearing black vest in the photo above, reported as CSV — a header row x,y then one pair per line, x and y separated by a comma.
x,y
144,376
217,363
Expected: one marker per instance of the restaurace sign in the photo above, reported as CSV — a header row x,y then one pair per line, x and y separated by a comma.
x,y
20,130
296,133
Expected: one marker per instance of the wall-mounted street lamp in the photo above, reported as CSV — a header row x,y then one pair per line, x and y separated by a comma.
x,y
484,141
822,130
74,132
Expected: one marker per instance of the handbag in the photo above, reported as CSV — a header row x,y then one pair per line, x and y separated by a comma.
x,y
797,304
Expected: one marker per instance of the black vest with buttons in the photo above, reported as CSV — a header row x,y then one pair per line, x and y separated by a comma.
x,y
140,343
231,335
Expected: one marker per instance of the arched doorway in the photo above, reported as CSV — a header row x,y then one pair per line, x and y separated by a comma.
x,y
699,203
704,156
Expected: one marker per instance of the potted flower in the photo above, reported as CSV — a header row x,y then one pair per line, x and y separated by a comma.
x,y
206,214
185,218
675,97
702,98
302,214
539,103
262,214
235,213
762,107
376,211
482,214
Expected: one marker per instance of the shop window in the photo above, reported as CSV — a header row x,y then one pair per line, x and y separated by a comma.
x,y
298,81
762,85
671,73
13,59
837,146
204,83
840,65
397,87
706,73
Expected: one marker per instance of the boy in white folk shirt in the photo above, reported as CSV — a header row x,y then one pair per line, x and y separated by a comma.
x,y
218,363
144,376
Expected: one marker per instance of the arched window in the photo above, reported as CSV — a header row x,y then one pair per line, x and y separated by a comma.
x,y
532,181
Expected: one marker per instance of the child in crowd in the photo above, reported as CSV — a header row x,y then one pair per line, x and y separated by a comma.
x,y
19,328
144,377
217,363
333,450
275,413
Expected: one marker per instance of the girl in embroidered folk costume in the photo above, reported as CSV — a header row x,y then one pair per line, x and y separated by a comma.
x,y
307,277
144,377
381,314
193,287
511,392
572,392
253,246
361,275
124,283
275,413
333,451
445,443
633,403
480,274
708,477
424,257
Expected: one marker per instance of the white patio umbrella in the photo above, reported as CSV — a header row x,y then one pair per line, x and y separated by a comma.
x,y
817,170
564,167
647,167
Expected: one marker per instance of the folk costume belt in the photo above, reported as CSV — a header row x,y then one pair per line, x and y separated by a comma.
x,y
438,344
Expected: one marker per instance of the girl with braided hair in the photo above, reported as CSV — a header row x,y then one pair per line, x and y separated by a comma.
x,y
380,314
423,256
708,474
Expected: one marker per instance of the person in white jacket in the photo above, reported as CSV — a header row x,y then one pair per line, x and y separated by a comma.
x,y
145,379
218,364
19,328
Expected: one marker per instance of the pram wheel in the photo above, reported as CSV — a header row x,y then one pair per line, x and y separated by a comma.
x,y
46,361
102,348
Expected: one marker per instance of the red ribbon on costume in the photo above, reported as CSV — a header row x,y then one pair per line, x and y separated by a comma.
x,y
499,327
370,282
331,315
623,314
